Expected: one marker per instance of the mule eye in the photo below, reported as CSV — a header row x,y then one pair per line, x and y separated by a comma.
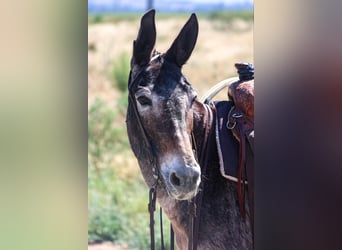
x,y
144,100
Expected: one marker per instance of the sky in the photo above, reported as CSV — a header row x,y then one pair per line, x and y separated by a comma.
x,y
195,1
105,2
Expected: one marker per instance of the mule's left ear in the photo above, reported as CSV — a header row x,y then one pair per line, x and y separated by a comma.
x,y
183,45
144,44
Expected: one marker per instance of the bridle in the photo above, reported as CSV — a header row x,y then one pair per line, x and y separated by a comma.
x,y
195,203
155,169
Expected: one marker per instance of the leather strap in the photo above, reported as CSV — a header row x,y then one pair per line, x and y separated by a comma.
x,y
241,171
155,170
250,177
242,129
191,211
204,157
151,208
143,132
161,228
172,238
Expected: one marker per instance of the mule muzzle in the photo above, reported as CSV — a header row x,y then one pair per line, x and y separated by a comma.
x,y
182,181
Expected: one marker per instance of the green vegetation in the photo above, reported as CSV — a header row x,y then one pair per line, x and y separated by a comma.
x,y
120,74
121,71
228,20
229,16
117,210
224,15
112,17
104,137
117,205
98,18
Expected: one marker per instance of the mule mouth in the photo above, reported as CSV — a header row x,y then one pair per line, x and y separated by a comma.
x,y
179,195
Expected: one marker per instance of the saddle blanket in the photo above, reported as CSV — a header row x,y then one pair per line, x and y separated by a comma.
x,y
227,145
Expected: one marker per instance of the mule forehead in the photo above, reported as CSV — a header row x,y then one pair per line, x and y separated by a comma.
x,y
169,117
171,94
161,75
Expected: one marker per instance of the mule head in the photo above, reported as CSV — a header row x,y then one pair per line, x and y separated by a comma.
x,y
164,103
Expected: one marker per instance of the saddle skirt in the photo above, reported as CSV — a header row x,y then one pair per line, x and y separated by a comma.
x,y
227,145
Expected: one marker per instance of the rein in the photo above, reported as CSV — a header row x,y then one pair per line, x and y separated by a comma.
x,y
195,209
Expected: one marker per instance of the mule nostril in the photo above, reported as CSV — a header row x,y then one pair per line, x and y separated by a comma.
x,y
174,179
195,178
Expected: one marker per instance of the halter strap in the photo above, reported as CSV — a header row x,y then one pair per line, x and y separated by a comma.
x,y
155,171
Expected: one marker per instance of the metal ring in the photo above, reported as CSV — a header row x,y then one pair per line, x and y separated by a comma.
x,y
230,127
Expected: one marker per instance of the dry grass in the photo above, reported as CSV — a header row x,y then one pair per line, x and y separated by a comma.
x,y
218,48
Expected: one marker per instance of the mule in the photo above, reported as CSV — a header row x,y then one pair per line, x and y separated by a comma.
x,y
168,128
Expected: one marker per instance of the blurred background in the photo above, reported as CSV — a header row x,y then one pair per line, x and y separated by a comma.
x,y
44,107
117,195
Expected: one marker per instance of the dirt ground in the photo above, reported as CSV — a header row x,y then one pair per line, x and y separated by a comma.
x,y
106,246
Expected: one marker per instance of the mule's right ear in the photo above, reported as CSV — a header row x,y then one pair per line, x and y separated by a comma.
x,y
183,45
144,44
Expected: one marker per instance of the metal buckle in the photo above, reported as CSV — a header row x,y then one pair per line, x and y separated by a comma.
x,y
155,173
237,115
230,126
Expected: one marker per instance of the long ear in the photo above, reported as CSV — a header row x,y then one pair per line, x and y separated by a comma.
x,y
144,44
183,45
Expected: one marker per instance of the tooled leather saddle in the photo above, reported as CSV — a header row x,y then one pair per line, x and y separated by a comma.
x,y
235,136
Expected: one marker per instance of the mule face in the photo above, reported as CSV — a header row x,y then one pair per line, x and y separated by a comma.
x,y
164,101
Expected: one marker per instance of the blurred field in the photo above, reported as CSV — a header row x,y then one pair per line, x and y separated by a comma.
x,y
117,194
220,44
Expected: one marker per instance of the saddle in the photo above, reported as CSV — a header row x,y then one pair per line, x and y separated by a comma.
x,y
242,94
236,149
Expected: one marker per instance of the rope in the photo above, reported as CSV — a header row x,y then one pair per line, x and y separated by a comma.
x,y
212,92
